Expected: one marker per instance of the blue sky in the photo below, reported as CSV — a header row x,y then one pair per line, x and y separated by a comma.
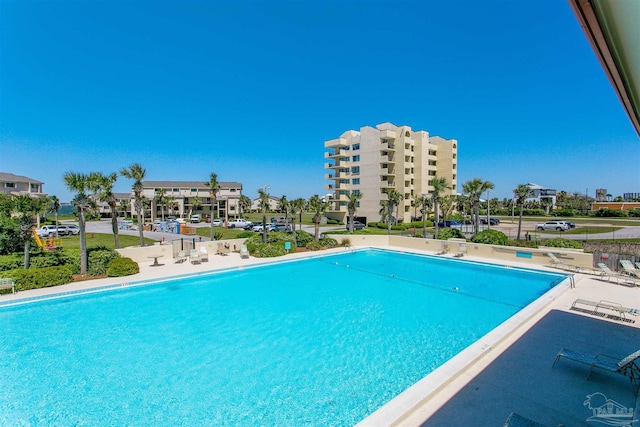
x,y
251,90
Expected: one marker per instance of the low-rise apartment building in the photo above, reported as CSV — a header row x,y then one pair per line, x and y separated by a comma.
x,y
372,161
18,184
184,198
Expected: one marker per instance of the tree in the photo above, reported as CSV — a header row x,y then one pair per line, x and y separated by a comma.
x,y
284,206
80,184
214,188
244,203
424,202
352,205
447,204
172,204
393,199
54,206
194,204
474,189
439,184
161,200
318,207
299,206
104,185
137,174
521,192
26,209
264,207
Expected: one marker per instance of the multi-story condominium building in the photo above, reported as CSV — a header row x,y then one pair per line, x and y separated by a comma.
x,y
374,160
183,198
124,206
17,184
273,204
543,195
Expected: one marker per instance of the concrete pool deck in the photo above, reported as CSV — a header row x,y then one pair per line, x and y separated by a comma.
x,y
514,375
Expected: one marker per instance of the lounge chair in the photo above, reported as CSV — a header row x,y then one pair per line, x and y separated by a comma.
x,y
516,420
462,250
606,272
223,249
204,255
629,269
627,366
244,252
596,308
194,256
7,283
444,248
181,257
558,263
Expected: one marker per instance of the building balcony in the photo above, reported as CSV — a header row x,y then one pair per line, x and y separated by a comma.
x,y
387,134
388,171
341,154
332,165
330,176
387,159
336,143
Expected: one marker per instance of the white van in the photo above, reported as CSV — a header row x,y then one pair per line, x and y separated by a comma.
x,y
196,218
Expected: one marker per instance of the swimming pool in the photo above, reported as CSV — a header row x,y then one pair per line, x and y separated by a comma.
x,y
326,340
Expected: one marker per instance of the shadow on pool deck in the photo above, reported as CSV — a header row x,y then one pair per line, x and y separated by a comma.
x,y
521,379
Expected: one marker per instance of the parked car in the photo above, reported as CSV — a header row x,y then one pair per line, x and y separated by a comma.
x,y
357,225
270,227
196,218
250,225
570,224
239,223
492,221
48,231
448,223
553,225
218,222
73,229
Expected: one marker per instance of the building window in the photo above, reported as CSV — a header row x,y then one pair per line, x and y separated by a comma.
x,y
344,181
34,187
356,191
355,181
355,158
9,185
432,163
176,190
355,147
355,170
232,190
194,190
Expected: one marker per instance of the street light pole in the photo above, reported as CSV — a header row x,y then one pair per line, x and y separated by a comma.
x,y
264,215
488,220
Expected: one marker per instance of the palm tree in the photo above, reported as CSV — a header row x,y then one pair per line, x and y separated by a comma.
x,y
124,207
474,189
161,200
384,211
104,184
299,206
318,207
284,206
172,204
26,208
80,184
194,204
521,192
264,207
424,202
446,205
137,173
352,205
244,203
54,206
439,184
393,199
214,188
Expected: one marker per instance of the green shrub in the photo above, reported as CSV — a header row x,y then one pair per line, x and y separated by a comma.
x,y
566,212
345,242
382,225
35,278
328,243
562,243
119,267
611,213
10,238
491,237
303,238
449,233
332,222
70,258
314,246
245,234
269,250
10,262
98,260
534,212
372,224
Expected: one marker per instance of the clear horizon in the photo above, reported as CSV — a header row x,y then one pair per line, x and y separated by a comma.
x,y
251,90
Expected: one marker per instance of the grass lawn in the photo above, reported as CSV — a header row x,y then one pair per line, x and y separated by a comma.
x,y
105,240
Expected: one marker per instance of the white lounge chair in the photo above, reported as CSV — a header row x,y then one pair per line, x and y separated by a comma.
x,y
462,250
7,283
444,248
596,308
204,255
244,252
558,263
629,269
194,256
181,257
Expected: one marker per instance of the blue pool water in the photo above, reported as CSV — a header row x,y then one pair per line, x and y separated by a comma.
x,y
324,341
